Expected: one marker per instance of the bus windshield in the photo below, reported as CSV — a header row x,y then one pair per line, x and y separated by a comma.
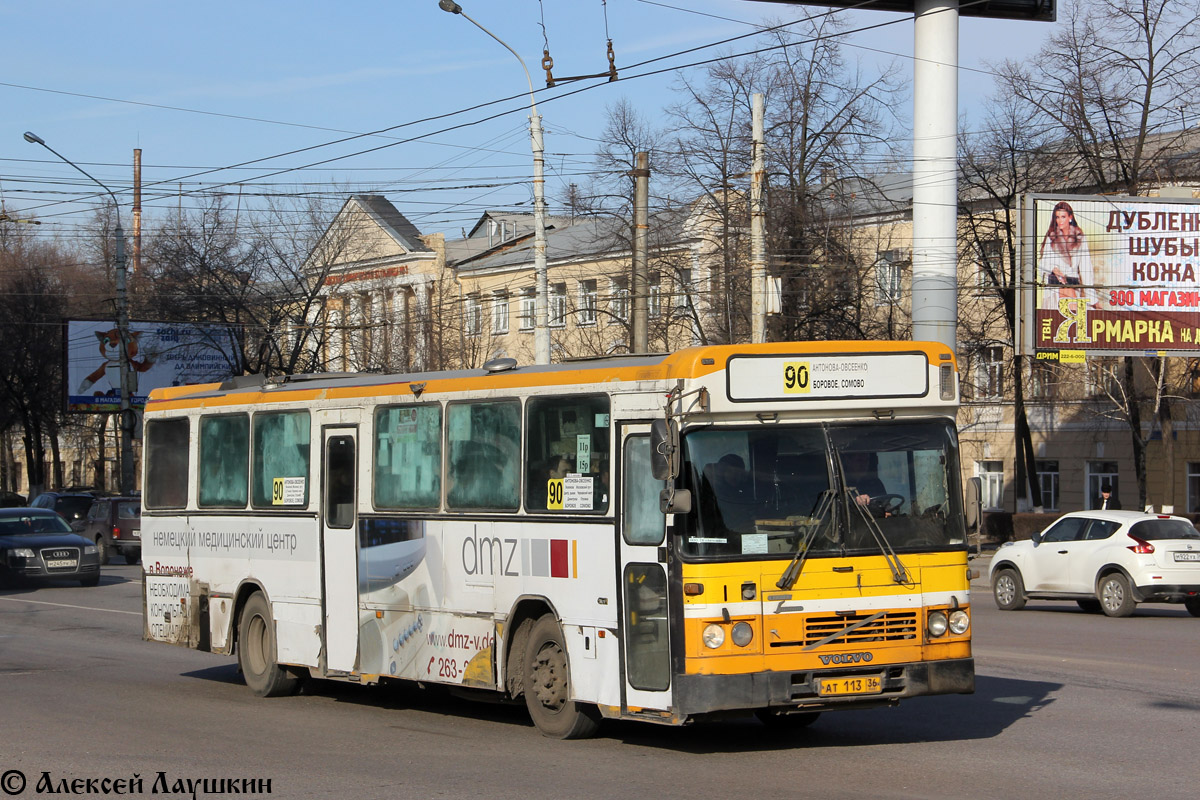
x,y
762,491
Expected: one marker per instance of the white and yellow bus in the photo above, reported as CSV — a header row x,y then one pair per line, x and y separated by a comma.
x,y
772,529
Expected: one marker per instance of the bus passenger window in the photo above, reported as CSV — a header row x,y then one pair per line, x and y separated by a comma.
x,y
166,463
573,430
408,457
339,482
280,476
484,448
224,461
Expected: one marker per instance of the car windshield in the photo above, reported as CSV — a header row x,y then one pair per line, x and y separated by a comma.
x,y
32,525
1150,530
760,491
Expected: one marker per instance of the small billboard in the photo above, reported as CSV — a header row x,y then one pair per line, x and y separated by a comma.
x,y
160,354
1111,275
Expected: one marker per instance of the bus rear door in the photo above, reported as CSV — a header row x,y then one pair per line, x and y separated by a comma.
x,y
339,549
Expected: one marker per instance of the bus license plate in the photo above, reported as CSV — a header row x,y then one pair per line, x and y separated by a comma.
x,y
1181,556
862,684
62,563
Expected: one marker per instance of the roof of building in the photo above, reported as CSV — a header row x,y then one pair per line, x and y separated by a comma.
x,y
389,218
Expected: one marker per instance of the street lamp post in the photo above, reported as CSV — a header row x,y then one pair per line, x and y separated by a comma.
x,y
541,333
127,420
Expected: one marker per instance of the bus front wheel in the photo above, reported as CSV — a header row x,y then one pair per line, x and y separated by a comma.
x,y
257,651
548,686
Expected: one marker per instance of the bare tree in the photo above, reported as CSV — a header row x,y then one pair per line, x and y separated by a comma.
x,y
34,290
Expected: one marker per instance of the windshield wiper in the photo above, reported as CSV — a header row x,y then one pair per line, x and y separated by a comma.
x,y
899,573
820,512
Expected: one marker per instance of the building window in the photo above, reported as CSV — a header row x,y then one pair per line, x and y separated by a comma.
x,y
1102,378
558,305
1041,380
991,261
684,305
619,302
1099,474
473,313
499,312
989,373
528,310
654,299
1048,483
587,302
1193,487
888,276
991,473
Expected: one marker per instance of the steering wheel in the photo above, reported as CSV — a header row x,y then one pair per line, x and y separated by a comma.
x,y
886,504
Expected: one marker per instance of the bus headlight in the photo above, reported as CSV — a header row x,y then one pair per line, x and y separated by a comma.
x,y
959,621
937,623
714,636
742,634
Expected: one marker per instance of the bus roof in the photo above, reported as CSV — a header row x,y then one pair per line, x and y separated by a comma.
x,y
693,362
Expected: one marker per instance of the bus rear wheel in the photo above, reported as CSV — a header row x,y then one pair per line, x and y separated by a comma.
x,y
257,651
547,686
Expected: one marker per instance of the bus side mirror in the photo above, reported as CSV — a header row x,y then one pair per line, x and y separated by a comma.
x,y
973,509
664,450
678,501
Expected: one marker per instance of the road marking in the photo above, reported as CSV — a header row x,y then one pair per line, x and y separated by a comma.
x,y
68,605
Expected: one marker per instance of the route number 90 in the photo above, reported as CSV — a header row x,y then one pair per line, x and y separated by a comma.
x,y
796,377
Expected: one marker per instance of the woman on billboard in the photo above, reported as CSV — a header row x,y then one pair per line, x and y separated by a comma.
x,y
1065,263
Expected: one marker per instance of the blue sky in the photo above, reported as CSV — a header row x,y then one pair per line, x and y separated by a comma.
x,y
201,88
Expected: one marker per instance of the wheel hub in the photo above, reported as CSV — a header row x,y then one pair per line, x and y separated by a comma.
x,y
548,670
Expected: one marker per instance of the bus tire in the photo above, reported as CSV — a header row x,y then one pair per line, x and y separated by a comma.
x,y
548,686
257,652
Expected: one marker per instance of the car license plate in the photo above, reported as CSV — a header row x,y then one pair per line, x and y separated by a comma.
x,y
862,684
137,534
62,563
1187,556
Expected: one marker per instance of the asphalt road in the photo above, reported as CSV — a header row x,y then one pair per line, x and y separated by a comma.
x,y
1068,705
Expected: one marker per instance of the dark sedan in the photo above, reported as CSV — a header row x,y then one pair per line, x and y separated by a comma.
x,y
38,543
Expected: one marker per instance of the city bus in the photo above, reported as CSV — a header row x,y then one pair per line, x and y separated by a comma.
x,y
775,530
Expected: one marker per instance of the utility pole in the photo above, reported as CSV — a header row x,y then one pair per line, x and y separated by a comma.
x,y
127,417
639,334
541,332
758,230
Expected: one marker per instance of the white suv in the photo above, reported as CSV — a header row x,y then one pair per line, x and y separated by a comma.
x,y
1105,561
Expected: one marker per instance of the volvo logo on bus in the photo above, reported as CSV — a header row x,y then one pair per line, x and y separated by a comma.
x,y
846,658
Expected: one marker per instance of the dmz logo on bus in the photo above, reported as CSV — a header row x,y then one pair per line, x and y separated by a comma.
x,y
537,558
797,377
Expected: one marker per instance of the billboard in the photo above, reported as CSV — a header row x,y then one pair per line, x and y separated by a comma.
x,y
1111,275
160,354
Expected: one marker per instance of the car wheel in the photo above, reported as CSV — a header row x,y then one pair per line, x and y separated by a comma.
x,y
1116,600
133,556
103,549
1090,606
90,580
257,652
548,686
1009,590
1192,604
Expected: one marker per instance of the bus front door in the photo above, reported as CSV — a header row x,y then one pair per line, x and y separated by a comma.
x,y
339,549
645,629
